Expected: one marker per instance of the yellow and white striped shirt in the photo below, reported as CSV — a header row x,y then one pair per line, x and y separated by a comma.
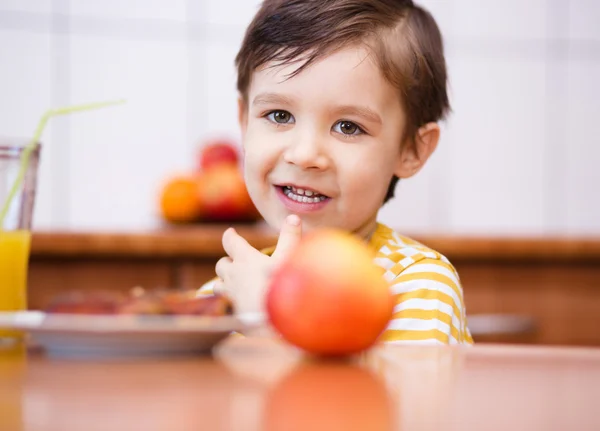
x,y
429,305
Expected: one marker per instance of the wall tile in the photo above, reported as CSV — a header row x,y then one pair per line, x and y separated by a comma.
x,y
36,6
583,149
498,147
120,156
584,16
228,12
25,85
509,19
131,9
220,88
443,13
213,108
414,209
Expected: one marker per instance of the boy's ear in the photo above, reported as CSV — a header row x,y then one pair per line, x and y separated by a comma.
x,y
242,115
413,155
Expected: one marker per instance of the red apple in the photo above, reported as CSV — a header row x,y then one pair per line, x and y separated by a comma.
x,y
328,297
223,195
218,152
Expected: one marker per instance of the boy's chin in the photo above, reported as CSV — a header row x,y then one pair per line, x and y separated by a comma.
x,y
308,225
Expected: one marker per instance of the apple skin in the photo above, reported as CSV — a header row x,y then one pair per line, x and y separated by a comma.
x,y
223,195
328,297
216,153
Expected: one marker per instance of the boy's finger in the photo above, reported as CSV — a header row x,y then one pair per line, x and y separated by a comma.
x,y
219,288
222,267
289,237
236,246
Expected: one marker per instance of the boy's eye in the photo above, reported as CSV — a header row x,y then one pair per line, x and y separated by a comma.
x,y
348,128
280,117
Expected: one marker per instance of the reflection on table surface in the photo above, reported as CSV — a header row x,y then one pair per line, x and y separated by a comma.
x,y
258,383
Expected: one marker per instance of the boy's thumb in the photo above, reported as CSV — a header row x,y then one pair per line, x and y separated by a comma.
x,y
289,237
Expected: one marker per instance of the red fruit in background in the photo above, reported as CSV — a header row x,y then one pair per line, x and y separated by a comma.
x,y
328,297
223,195
219,152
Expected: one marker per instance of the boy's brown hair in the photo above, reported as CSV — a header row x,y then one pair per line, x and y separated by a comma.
x,y
403,37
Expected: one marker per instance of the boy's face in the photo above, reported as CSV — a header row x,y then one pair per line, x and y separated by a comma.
x,y
324,144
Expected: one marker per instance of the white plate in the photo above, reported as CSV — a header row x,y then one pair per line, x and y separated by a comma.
x,y
122,335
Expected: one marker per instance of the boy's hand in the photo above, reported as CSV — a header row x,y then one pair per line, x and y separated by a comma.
x,y
244,273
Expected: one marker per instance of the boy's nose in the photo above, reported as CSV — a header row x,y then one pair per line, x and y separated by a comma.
x,y
307,153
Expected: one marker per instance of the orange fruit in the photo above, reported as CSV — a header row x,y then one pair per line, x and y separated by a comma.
x,y
179,199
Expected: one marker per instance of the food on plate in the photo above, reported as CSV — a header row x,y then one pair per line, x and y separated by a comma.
x,y
141,302
93,302
328,297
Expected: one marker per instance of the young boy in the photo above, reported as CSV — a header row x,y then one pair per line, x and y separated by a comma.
x,y
338,100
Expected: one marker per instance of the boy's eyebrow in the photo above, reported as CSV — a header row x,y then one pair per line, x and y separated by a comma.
x,y
271,99
361,111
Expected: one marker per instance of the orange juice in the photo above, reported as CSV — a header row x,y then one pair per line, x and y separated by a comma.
x,y
14,257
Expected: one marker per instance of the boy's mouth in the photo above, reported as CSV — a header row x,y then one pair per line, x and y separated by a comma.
x,y
303,195
301,200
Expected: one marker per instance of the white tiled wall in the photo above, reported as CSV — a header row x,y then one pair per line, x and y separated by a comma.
x,y
508,19
498,146
518,155
131,9
582,164
34,6
583,20
231,12
26,92
119,155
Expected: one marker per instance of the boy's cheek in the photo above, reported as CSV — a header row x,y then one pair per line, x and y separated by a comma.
x,y
259,147
251,160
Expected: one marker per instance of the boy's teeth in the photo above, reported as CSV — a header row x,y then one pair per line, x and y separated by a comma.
x,y
301,195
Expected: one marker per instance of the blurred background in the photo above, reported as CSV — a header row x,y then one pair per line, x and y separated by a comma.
x,y
519,155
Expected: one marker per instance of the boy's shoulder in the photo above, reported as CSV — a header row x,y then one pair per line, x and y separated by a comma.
x,y
396,253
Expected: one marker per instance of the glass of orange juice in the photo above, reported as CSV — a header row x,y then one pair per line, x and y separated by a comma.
x,y
15,225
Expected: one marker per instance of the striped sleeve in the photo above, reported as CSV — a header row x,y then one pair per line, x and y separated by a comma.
x,y
429,306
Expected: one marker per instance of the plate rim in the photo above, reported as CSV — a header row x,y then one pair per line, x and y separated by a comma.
x,y
34,321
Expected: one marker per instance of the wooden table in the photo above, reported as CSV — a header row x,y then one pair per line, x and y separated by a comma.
x,y
257,383
552,282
